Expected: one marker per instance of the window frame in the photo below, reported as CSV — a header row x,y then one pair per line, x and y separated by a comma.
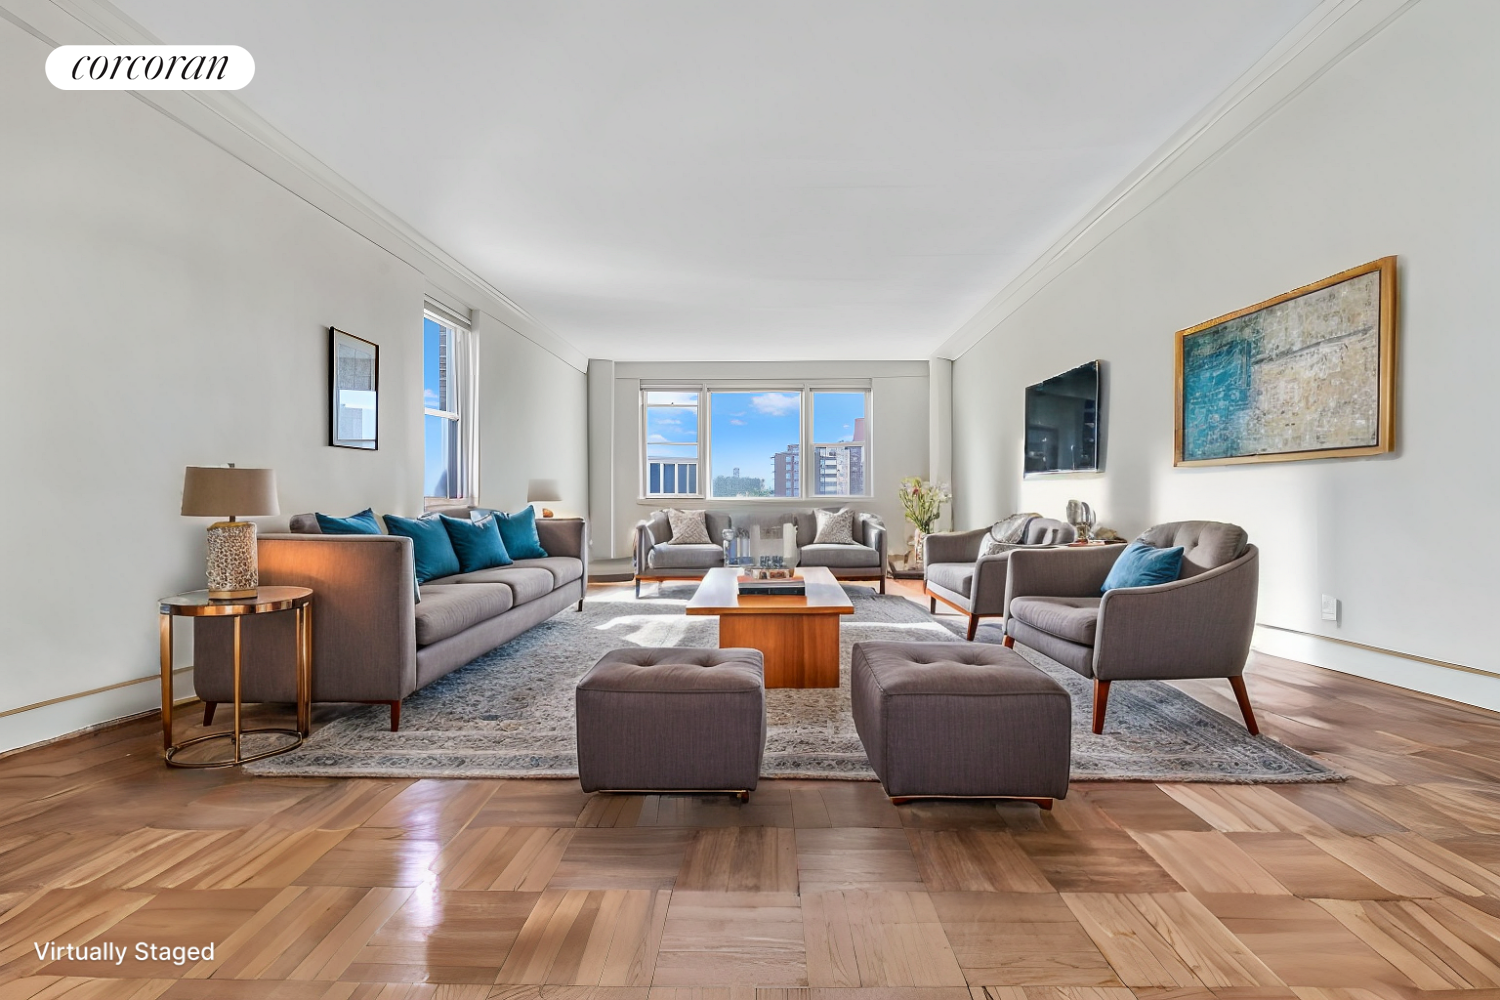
x,y
699,460
461,464
805,446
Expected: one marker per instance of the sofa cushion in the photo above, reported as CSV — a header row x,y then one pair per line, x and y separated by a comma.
x,y
839,556
686,556
957,577
1141,565
363,523
517,531
689,527
1075,619
448,609
526,583
432,550
477,544
564,569
1205,544
835,527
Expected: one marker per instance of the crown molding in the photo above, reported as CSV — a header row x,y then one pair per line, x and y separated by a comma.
x,y
1320,41
224,120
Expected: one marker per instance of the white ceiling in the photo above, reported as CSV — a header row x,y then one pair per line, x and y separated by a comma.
x,y
704,179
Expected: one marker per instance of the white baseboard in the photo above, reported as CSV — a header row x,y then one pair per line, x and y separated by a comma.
x,y
1479,689
76,715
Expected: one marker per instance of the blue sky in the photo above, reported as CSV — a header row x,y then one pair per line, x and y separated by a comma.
x,y
435,435
749,427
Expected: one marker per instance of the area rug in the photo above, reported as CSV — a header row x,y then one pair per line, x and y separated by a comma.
x,y
509,714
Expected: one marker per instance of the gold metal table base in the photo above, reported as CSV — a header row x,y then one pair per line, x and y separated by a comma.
x,y
237,759
267,600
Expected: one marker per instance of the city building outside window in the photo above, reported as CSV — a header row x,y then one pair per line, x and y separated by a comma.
x,y
750,444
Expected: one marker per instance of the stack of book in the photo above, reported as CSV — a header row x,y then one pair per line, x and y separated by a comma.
x,y
787,588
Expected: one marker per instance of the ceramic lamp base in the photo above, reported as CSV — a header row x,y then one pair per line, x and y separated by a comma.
x,y
232,568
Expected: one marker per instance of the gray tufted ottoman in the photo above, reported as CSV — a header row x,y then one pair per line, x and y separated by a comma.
x,y
947,719
672,720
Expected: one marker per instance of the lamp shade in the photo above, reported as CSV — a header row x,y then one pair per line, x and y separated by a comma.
x,y
542,491
228,492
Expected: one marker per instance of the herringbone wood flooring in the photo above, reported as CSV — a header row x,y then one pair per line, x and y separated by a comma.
x,y
1383,888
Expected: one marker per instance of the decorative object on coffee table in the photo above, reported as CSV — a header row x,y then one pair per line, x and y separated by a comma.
x,y
922,503
230,492
543,491
1305,375
354,391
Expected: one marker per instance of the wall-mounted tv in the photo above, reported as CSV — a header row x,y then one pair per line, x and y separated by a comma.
x,y
1063,423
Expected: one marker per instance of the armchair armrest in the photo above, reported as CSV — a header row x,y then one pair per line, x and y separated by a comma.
x,y
1200,626
565,536
364,623
874,535
644,541
1059,572
952,546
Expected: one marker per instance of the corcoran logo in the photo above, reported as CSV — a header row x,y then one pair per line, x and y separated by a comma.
x,y
150,67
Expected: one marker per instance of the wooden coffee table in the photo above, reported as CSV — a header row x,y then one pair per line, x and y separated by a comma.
x,y
799,636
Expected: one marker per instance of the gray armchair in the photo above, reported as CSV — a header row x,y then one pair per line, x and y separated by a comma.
x,y
955,573
1199,625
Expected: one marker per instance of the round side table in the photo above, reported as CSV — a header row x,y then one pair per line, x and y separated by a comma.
x,y
267,600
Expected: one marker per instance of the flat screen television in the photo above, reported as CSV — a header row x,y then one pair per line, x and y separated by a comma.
x,y
1062,423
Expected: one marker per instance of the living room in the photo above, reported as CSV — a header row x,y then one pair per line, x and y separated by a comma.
x,y
932,210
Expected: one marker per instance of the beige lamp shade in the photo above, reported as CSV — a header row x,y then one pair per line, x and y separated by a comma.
x,y
542,491
228,492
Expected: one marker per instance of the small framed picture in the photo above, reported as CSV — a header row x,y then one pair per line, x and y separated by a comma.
x,y
354,391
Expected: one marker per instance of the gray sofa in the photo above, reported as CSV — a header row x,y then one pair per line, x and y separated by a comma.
x,y
955,573
1198,625
657,559
373,641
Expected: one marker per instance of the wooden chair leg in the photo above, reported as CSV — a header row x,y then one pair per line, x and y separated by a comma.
x,y
1009,642
882,583
1101,702
932,605
973,626
580,604
208,712
638,589
1243,697
395,716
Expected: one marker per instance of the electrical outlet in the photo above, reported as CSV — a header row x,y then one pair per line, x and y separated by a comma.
x,y
1330,608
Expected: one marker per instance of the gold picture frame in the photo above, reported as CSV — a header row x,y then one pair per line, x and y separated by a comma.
x,y
1309,374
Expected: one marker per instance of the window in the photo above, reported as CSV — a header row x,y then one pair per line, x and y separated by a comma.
x,y
447,427
838,448
798,442
670,425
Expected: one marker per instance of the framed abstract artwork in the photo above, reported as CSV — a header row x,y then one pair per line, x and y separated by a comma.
x,y
1309,374
354,391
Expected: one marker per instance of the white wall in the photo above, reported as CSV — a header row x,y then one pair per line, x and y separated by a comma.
x,y
533,421
164,304
1394,150
898,421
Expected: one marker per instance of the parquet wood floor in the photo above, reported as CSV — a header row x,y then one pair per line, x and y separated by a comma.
x,y
1385,887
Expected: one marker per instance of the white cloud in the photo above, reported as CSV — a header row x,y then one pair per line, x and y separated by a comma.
x,y
657,439
430,399
776,404
737,422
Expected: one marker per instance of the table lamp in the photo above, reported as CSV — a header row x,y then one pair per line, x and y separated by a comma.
x,y
543,491
230,492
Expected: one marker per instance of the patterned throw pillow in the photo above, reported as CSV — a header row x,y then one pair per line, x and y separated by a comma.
x,y
993,547
688,527
835,527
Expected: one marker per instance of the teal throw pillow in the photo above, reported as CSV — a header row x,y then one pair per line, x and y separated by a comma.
x,y
477,543
1142,565
363,523
430,544
518,530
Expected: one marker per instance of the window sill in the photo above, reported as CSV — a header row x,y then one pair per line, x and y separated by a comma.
x,y
692,503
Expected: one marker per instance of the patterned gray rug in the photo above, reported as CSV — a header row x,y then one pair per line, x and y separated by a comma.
x,y
509,714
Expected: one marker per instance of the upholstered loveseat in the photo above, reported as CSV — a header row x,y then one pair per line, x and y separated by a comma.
x,y
373,640
657,558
